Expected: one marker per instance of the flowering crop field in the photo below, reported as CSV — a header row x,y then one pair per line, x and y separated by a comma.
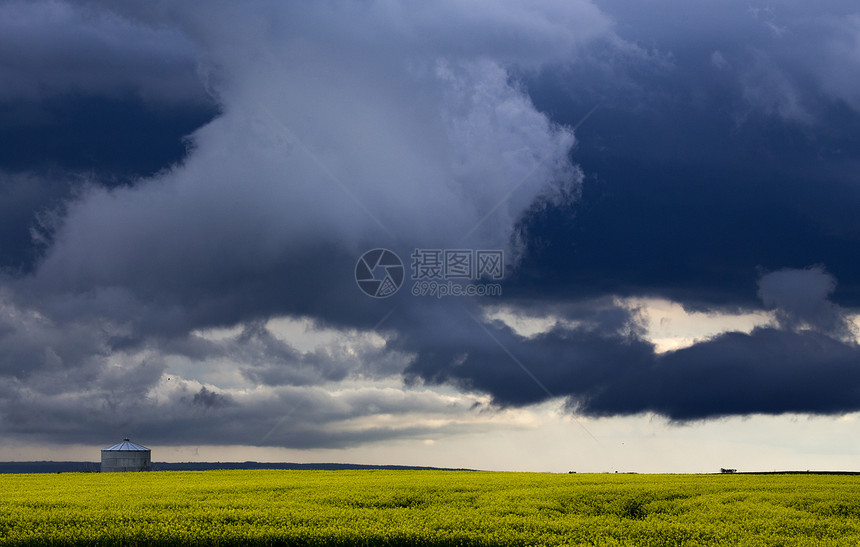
x,y
426,508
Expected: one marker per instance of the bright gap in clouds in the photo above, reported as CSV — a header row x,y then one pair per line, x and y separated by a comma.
x,y
669,326
666,324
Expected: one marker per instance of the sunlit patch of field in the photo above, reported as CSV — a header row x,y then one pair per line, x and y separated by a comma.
x,y
426,508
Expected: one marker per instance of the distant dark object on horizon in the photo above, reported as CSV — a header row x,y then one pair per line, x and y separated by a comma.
x,y
724,470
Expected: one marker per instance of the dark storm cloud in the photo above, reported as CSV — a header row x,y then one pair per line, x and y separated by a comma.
x,y
716,157
297,177
728,148
332,137
517,370
781,59
88,97
116,139
768,371
24,198
604,368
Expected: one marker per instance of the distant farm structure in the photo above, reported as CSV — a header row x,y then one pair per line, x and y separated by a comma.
x,y
724,470
126,456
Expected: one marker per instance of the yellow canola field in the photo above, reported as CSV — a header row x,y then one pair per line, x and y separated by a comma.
x,y
426,508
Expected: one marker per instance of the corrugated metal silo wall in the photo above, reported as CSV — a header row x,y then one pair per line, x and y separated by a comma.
x,y
124,460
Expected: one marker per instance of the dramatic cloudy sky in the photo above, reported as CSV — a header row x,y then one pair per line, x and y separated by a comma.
x,y
186,189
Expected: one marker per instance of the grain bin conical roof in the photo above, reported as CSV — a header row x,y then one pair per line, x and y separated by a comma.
x,y
127,446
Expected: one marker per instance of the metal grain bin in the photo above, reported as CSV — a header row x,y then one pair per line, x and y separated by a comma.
x,y
126,456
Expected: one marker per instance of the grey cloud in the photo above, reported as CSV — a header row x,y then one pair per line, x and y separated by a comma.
x,y
405,131
315,159
48,356
783,60
266,359
211,399
529,34
800,298
54,48
290,417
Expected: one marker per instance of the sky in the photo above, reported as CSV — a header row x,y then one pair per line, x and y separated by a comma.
x,y
534,236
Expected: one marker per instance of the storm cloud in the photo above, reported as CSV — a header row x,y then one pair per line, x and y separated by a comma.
x,y
804,363
331,138
186,194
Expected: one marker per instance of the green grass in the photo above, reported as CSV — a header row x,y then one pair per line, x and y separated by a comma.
x,y
426,508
